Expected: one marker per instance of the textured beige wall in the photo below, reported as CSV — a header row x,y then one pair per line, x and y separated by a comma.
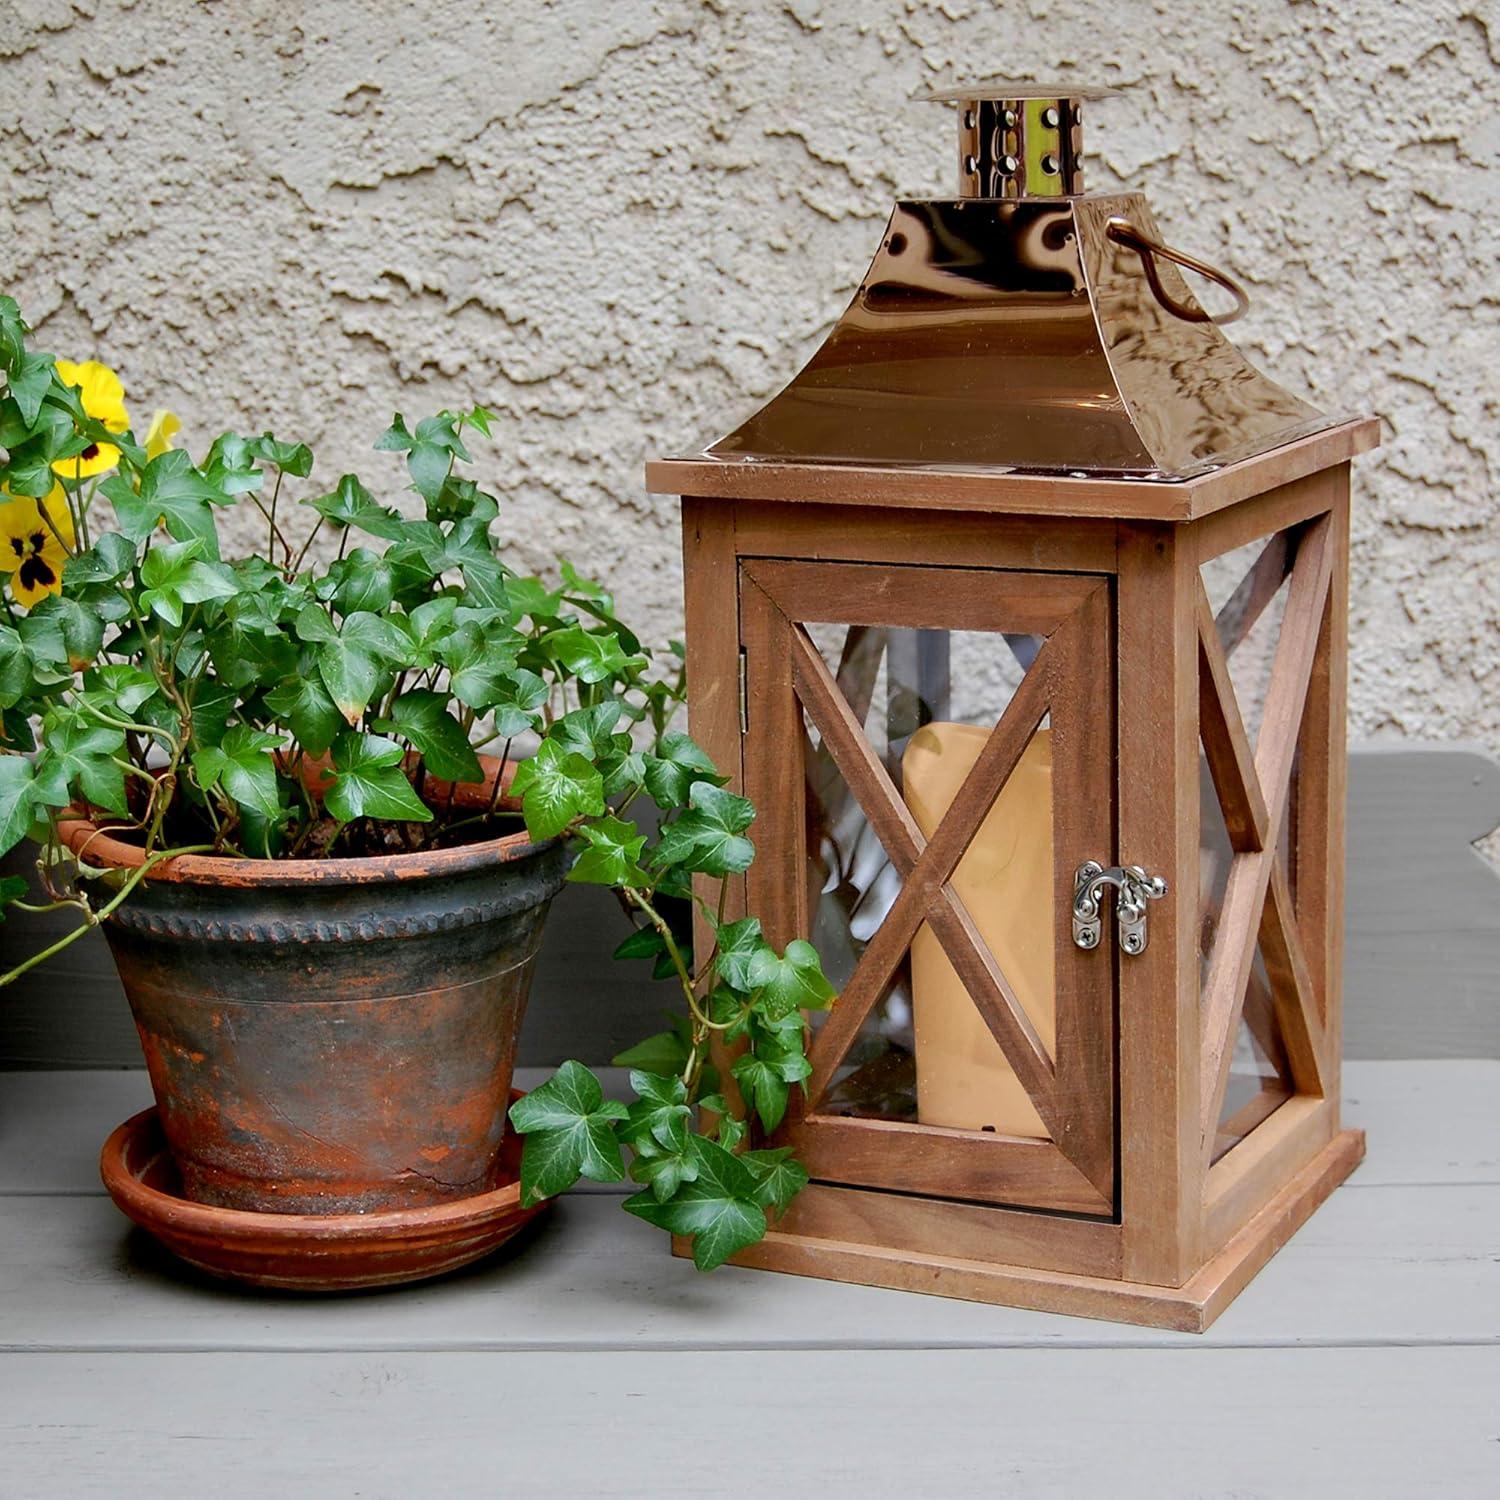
x,y
622,222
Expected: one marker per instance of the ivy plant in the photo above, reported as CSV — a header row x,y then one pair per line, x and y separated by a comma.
x,y
310,701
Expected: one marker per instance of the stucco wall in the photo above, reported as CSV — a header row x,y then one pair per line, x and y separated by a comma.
x,y
622,222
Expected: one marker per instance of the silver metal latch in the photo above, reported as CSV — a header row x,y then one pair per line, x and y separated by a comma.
x,y
1134,889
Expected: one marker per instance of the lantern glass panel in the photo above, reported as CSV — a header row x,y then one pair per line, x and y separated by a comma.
x,y
1260,1079
1247,591
926,702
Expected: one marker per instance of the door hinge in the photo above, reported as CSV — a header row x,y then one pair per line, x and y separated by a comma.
x,y
1133,889
744,694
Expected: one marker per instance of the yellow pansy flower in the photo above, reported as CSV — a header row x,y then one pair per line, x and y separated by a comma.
x,y
103,398
29,549
165,425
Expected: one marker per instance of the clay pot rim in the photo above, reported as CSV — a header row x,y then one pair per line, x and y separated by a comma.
x,y
83,837
182,1214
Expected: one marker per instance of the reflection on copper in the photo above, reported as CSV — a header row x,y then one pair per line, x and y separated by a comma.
x,y
1016,333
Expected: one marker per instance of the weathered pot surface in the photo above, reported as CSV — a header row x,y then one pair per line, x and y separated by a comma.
x,y
332,1036
307,1252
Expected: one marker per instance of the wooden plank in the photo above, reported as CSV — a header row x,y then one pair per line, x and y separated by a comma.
x,y
940,1162
1379,1266
1081,698
960,540
922,599
1157,711
1263,516
1423,911
1247,1177
1293,996
1324,1422
1012,492
1226,746
1390,1265
1429,1122
975,1231
712,637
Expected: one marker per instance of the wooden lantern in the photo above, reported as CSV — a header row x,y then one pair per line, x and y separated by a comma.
x,y
1021,615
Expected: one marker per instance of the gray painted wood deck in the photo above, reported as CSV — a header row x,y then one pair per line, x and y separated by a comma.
x,y
1364,1361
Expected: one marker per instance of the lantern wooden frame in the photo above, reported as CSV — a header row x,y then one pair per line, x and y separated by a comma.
x,y
1128,1219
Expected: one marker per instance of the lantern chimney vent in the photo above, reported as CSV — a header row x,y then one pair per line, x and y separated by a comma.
x,y
1019,140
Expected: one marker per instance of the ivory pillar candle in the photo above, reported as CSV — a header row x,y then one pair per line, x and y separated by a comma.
x,y
1005,882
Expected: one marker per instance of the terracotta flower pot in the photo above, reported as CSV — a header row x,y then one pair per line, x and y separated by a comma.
x,y
336,1035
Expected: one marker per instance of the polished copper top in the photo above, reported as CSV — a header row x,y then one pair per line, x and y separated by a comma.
x,y
1027,328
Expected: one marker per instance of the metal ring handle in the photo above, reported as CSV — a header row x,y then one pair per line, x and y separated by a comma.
x,y
1123,232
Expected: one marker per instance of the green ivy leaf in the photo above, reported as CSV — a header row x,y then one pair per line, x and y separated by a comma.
x,y
29,380
120,686
589,656
677,763
290,458
644,942
12,888
304,706
663,1171
738,944
709,836
353,657
764,1087
555,786
666,1052
362,581
13,331
423,719
719,1209
591,731
660,1113
244,762
17,801
779,1177
107,561
351,504
172,493
395,439
427,464
569,1130
230,465
15,668
519,707
174,574
530,596
80,754
368,782
791,983
611,854
481,665
81,628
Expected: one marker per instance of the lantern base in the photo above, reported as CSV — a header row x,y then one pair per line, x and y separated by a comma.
x,y
1189,1308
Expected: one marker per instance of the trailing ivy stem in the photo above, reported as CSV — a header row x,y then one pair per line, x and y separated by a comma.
x,y
296,567
271,517
96,917
499,790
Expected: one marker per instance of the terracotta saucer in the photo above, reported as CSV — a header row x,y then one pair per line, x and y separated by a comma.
x,y
307,1252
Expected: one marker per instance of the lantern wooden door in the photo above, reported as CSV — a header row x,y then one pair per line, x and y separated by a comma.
x,y
943,726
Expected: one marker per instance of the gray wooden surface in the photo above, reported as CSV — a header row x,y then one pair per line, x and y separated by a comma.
x,y
1364,1361
1422,903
